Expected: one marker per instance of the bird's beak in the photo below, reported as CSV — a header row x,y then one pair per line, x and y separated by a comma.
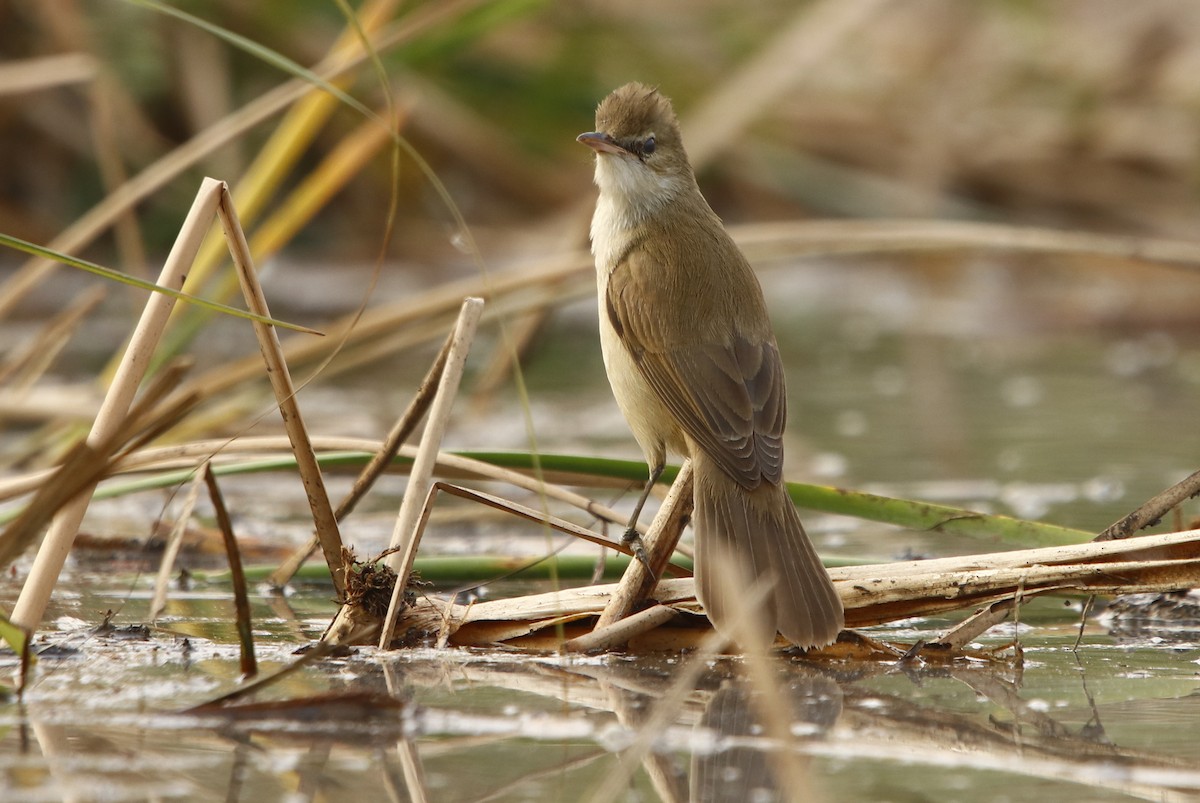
x,y
601,143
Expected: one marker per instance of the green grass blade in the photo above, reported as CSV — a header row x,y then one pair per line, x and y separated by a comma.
x,y
856,504
915,515
14,636
124,278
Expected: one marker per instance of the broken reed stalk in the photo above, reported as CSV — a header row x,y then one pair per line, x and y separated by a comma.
x,y
241,597
285,393
174,541
35,594
405,535
660,540
620,632
378,464
1153,509
976,624
872,595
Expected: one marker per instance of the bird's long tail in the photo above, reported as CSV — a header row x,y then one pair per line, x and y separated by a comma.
x,y
761,530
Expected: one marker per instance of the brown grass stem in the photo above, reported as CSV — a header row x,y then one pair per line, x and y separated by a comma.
x,y
553,522
26,364
241,596
285,393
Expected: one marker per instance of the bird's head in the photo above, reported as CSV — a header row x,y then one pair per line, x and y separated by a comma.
x,y
639,152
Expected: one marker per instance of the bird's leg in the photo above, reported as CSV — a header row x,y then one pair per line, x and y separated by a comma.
x,y
632,538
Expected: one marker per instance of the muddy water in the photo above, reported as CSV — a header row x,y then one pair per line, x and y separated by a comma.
x,y
1065,395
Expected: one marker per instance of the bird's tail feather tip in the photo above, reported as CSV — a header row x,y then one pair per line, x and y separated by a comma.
x,y
761,532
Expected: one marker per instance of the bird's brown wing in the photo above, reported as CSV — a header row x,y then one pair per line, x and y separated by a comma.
x,y
727,396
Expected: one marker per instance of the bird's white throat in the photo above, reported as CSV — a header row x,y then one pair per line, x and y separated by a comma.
x,y
630,193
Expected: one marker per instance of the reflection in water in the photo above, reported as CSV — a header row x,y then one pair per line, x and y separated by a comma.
x,y
737,769
466,725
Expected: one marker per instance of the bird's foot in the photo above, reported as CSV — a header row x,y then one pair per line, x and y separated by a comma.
x,y
633,539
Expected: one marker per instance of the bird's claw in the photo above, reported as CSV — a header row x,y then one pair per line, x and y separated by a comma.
x,y
633,539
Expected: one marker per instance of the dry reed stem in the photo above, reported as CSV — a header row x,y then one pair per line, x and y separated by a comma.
x,y
546,520
21,76
638,582
759,665
102,119
1150,512
506,355
285,394
35,594
379,462
570,273
669,784
347,158
878,594
171,551
404,535
414,774
825,237
237,577
85,465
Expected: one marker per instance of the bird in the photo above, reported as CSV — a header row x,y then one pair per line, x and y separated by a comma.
x,y
695,369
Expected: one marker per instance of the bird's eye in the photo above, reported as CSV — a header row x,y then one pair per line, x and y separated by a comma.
x,y
648,146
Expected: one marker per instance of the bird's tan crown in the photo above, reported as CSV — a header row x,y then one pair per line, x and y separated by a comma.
x,y
637,110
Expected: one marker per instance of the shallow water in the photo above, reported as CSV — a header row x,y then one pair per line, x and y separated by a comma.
x,y
103,720
1065,395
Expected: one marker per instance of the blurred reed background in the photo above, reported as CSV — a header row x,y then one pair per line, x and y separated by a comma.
x,y
1075,113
